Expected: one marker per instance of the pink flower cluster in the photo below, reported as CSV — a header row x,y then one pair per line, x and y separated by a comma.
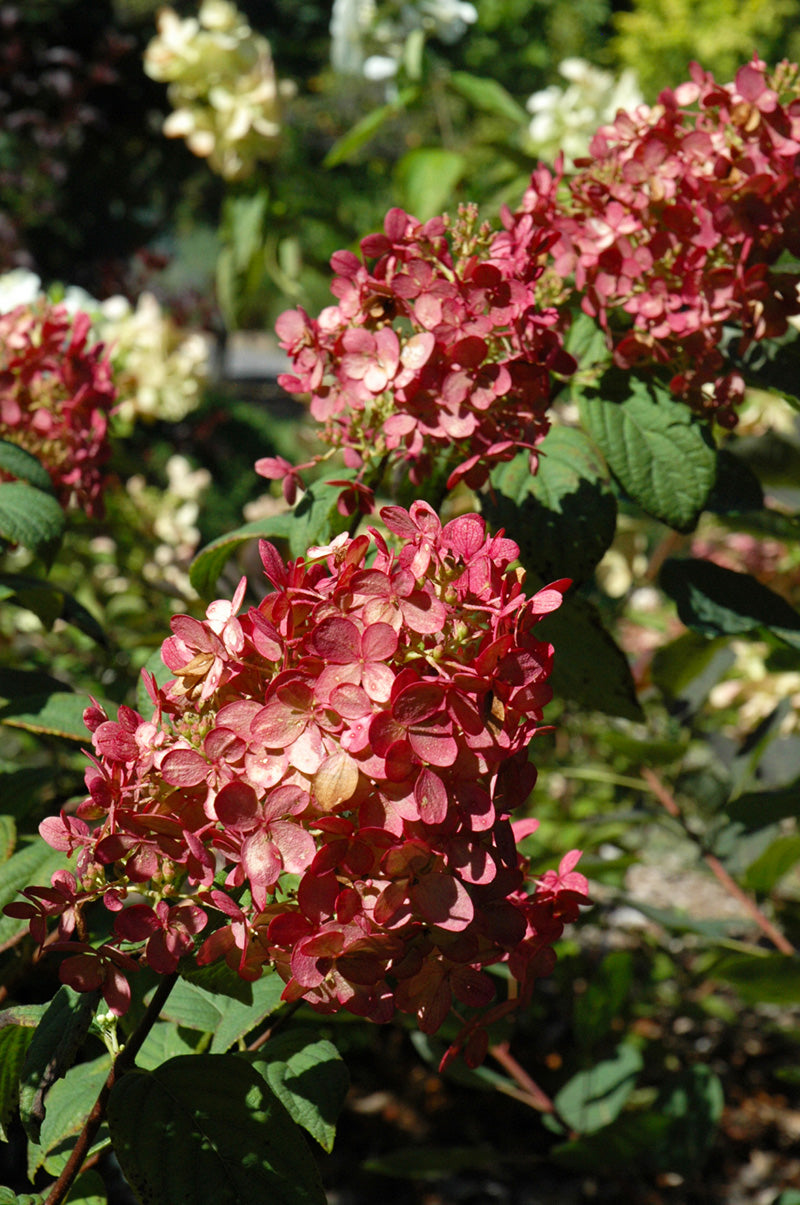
x,y
331,776
672,228
56,393
440,348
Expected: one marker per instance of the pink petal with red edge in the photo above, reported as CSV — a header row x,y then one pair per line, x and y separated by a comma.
x,y
441,900
430,794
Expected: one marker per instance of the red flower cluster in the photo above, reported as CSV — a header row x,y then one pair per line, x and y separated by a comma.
x,y
676,220
440,349
56,393
331,774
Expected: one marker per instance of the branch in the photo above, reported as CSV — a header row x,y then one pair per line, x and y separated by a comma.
x,y
778,939
122,1063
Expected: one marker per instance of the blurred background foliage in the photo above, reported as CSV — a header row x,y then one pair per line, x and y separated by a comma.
x,y
668,1036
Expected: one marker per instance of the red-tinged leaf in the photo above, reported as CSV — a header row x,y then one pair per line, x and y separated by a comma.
x,y
136,923
434,1005
550,597
184,768
384,732
193,633
336,780
442,900
431,798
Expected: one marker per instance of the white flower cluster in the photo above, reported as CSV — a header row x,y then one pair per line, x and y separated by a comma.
x,y
159,370
171,516
222,86
565,119
369,38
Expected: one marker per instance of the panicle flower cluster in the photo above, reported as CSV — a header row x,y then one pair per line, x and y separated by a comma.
x,y
222,86
56,393
370,39
439,347
159,369
331,775
672,228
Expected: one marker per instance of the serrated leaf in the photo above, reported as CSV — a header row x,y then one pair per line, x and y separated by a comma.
x,y
227,1019
593,1099
56,1042
30,517
661,455
360,134
426,178
780,856
589,668
310,1080
230,1140
19,463
716,601
564,517
211,560
488,96
57,714
761,978
14,1043
69,1103
33,863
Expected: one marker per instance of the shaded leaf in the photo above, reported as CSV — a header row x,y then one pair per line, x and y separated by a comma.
x,y
564,517
761,978
633,1140
661,455
758,809
310,1080
211,560
693,1101
32,863
19,463
737,490
57,714
14,1043
716,601
687,668
30,517
432,1162
230,1141
487,95
426,178
780,856
53,1050
69,1103
88,1189
593,1099
360,134
604,999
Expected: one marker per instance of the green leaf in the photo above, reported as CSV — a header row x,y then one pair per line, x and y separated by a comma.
x,y
211,560
316,519
592,1099
758,809
661,455
310,1080
69,1103
587,343
88,1189
32,863
761,978
9,1197
777,860
604,1000
56,1042
693,1100
14,1042
488,96
164,1041
243,225
564,517
19,463
227,1019
426,178
360,134
720,602
589,669
8,837
30,517
56,714
218,979
230,1141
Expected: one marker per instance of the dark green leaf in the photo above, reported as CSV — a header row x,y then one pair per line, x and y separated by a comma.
x,y
315,518
69,1103
309,1079
587,343
758,809
58,1038
720,602
219,979
16,682
30,517
592,1099
426,178
351,143
488,96
14,1043
589,669
227,1019
737,490
88,1189
564,517
56,714
9,1197
761,978
677,921
211,560
206,1130
777,860
661,455
19,463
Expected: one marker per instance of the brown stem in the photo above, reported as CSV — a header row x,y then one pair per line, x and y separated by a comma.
x,y
778,939
122,1063
531,1094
